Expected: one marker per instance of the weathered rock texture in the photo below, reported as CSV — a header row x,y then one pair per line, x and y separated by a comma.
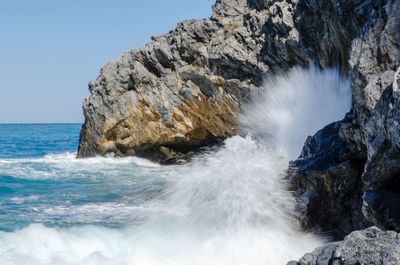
x,y
370,246
184,89
347,176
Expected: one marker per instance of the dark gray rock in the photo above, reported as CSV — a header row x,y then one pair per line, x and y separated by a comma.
x,y
347,179
369,246
375,59
184,90
326,179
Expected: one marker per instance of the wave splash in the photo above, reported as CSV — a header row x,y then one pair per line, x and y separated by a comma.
x,y
226,207
296,105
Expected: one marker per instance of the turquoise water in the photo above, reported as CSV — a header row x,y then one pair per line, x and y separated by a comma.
x,y
227,206
41,181
33,140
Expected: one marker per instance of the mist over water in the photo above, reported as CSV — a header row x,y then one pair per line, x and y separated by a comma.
x,y
296,105
228,206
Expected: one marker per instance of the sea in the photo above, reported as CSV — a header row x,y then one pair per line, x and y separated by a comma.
x,y
228,206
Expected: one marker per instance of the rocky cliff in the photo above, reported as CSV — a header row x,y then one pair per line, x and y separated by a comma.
x,y
184,89
347,175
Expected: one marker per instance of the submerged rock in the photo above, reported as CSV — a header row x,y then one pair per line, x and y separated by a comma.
x,y
369,246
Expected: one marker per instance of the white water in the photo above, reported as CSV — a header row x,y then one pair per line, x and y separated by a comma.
x,y
226,207
296,105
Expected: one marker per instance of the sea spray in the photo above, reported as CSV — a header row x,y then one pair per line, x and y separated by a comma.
x,y
228,206
295,105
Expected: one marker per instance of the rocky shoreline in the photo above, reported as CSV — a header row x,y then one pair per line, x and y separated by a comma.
x,y
184,90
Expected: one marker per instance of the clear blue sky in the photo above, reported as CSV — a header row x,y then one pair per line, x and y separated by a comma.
x,y
51,49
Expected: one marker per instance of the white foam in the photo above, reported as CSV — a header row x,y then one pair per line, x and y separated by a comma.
x,y
66,165
226,207
21,200
296,105
229,207
70,158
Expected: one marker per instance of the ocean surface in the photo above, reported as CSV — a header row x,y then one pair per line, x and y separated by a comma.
x,y
226,207
41,181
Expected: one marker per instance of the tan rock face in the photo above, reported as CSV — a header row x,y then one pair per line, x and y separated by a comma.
x,y
190,124
184,89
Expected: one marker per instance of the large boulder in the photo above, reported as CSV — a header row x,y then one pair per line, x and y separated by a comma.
x,y
369,246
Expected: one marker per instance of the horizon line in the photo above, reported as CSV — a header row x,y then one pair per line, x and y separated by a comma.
x,y
39,123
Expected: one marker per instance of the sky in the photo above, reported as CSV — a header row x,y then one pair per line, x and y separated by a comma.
x,y
51,49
